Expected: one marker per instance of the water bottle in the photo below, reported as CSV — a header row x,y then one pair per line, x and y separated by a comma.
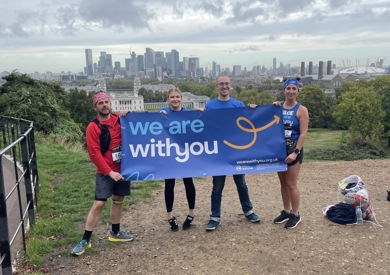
x,y
359,215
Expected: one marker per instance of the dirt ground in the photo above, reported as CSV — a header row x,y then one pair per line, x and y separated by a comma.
x,y
316,246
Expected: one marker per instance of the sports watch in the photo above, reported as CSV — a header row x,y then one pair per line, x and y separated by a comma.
x,y
297,151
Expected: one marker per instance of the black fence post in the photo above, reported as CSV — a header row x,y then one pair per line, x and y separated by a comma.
x,y
27,177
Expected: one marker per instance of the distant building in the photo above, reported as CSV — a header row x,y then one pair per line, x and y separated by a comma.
x,y
363,70
127,100
88,62
236,70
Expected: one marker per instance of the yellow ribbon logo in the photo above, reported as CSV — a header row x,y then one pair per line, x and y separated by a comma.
x,y
253,130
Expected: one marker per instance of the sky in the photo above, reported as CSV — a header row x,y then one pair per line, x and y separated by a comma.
x,y
52,35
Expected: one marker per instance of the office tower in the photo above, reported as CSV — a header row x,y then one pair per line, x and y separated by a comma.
x,y
237,70
214,69
88,62
127,65
133,66
193,66
149,59
186,64
117,67
160,60
105,63
140,63
175,62
108,63
102,62
274,65
170,67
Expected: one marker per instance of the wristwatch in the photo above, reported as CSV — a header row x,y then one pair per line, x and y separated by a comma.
x,y
297,151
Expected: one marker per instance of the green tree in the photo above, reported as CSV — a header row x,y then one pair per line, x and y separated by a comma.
x,y
350,85
361,112
318,104
121,83
38,101
381,85
79,104
255,97
147,94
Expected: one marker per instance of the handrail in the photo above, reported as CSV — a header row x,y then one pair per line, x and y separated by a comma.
x,y
19,186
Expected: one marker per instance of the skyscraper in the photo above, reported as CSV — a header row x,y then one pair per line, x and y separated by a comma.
x,y
175,62
274,65
88,62
140,63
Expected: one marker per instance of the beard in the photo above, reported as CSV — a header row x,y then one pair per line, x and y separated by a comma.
x,y
104,112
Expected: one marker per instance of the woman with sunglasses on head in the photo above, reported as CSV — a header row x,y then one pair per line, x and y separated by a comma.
x,y
296,124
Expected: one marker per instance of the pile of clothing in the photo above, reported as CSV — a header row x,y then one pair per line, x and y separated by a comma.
x,y
352,192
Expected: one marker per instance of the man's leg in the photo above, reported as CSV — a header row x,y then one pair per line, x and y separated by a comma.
x,y
243,194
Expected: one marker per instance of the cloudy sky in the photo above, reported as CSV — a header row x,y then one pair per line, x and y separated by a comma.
x,y
51,35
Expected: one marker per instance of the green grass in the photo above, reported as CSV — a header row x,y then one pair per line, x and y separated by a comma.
x,y
67,185
322,139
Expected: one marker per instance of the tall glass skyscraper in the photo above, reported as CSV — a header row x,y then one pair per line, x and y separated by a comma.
x,y
88,62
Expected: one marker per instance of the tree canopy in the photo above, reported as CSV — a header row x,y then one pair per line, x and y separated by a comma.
x,y
38,101
360,111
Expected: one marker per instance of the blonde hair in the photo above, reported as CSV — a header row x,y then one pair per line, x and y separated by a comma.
x,y
174,90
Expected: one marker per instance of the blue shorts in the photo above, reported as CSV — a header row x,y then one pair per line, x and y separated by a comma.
x,y
106,187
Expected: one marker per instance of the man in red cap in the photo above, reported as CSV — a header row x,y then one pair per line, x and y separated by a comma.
x,y
109,181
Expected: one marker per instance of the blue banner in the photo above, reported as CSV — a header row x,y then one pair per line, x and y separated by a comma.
x,y
192,143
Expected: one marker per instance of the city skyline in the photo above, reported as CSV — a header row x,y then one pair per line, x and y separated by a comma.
x,y
52,36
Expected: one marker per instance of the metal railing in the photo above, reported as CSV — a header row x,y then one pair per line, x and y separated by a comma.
x,y
19,186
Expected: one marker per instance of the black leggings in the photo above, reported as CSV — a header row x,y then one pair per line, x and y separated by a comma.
x,y
170,194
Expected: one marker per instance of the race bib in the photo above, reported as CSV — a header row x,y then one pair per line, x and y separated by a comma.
x,y
117,154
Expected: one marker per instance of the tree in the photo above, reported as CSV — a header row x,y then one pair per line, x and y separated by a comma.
x,y
361,112
381,85
147,94
318,104
38,101
79,104
255,97
350,85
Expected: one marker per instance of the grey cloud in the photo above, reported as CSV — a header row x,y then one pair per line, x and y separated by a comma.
x,y
179,8
291,6
26,16
335,4
17,30
66,20
215,9
249,48
120,14
248,11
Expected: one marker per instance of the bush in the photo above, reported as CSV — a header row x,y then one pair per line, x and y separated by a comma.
x,y
354,150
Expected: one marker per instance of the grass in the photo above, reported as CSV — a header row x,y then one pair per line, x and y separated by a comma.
x,y
322,139
67,184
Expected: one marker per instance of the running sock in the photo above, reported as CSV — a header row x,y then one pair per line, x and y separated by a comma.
x,y
115,228
87,235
